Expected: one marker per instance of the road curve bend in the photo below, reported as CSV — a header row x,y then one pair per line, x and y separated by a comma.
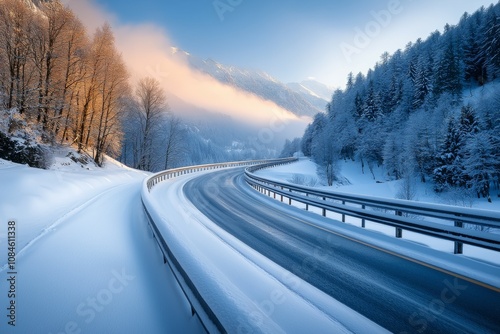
x,y
399,295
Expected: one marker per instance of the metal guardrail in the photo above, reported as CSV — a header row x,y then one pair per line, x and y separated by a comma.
x,y
199,306
192,295
372,209
172,173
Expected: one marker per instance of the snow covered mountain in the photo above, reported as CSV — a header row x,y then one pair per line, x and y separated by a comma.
x,y
316,93
314,88
305,99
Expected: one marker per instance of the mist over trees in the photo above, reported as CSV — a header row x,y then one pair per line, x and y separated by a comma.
x,y
61,85
290,148
430,111
154,139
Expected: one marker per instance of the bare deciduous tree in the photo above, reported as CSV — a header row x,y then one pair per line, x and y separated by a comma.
x,y
152,106
17,77
173,142
67,86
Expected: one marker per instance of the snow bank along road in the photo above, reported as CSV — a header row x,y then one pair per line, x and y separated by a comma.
x,y
87,262
400,295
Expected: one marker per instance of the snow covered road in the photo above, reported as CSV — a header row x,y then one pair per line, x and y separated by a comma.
x,y
98,270
400,295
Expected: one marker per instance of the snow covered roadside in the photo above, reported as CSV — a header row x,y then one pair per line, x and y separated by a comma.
x,y
376,184
247,291
39,200
87,261
476,263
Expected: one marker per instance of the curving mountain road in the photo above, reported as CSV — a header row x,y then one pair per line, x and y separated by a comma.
x,y
400,295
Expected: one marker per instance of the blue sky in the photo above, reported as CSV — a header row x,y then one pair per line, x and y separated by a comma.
x,y
293,40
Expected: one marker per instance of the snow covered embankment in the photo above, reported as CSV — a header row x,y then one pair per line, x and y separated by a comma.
x,y
39,200
246,291
88,262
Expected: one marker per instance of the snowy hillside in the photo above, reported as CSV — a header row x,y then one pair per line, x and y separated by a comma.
x,y
317,88
84,254
310,95
317,93
353,180
429,112
301,101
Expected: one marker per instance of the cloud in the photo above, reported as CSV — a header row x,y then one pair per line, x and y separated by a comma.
x,y
147,51
92,15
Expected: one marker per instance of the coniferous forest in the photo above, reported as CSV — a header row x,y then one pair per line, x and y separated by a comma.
x,y
430,111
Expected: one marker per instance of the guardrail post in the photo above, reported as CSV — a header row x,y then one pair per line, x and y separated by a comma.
x,y
399,231
343,215
363,222
459,246
324,210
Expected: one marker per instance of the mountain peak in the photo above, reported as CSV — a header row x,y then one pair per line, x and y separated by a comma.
x,y
306,100
313,87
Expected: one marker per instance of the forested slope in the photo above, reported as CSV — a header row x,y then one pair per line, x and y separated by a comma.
x,y
430,111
